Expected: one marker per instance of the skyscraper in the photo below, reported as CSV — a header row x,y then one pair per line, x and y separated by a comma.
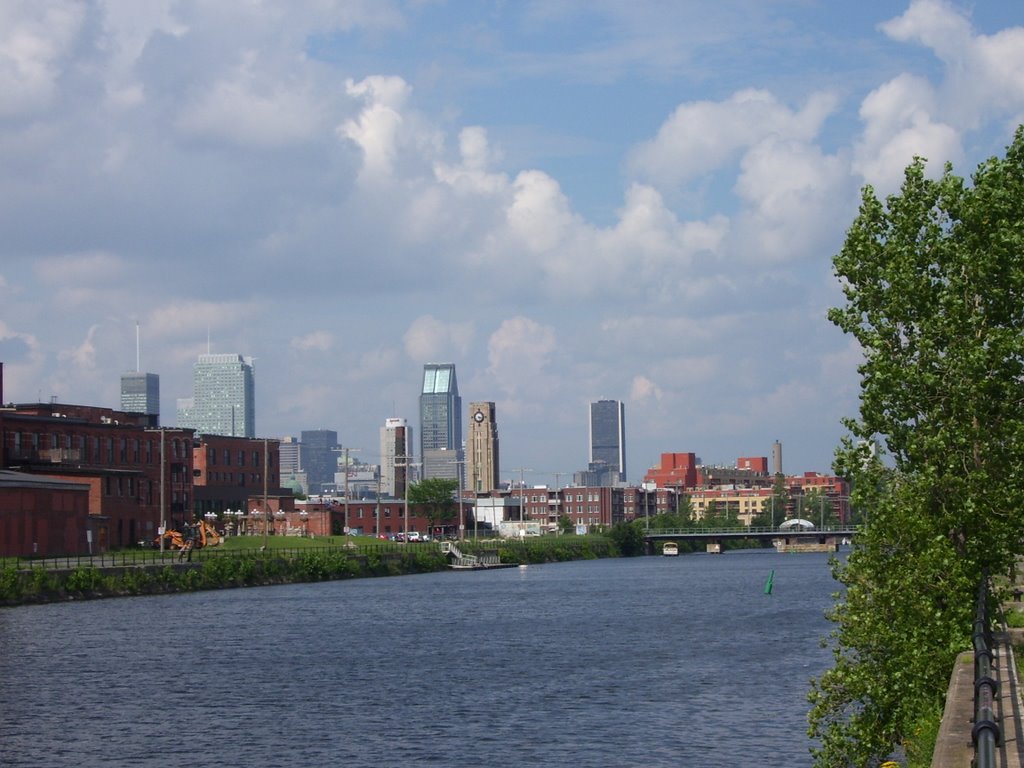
x,y
482,471
608,435
223,398
319,458
140,393
395,448
440,422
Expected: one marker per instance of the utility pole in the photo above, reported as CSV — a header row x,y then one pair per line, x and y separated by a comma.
x,y
163,490
377,523
459,468
522,492
345,469
266,507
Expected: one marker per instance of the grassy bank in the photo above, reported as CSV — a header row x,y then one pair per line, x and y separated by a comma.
x,y
284,560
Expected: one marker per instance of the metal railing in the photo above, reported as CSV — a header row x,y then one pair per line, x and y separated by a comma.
x,y
986,733
128,558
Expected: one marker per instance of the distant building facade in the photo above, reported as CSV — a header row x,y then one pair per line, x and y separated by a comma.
x,y
233,473
223,398
440,422
319,458
482,469
608,436
140,393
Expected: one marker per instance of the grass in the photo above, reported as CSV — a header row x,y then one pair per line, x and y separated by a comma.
x,y
1015,618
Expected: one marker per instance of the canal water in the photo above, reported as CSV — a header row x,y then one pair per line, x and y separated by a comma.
x,y
625,662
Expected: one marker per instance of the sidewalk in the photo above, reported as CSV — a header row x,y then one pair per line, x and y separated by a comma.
x,y
954,748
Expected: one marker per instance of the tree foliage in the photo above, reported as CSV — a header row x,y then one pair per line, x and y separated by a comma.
x,y
934,287
435,497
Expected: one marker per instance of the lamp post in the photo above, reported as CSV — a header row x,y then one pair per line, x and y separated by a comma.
x,y
522,493
163,480
266,508
405,482
345,529
459,466
475,513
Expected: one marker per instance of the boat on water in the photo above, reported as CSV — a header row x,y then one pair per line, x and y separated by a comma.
x,y
670,549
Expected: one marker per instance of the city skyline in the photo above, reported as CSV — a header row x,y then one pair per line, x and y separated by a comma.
x,y
634,200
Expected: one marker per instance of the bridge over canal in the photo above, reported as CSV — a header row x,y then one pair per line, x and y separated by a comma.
x,y
824,539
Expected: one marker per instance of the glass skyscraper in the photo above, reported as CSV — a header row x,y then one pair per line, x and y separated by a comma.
x,y
140,393
319,457
608,435
223,398
440,422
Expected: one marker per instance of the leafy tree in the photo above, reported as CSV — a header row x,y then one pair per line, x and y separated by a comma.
x,y
628,538
721,516
685,510
435,496
934,287
565,524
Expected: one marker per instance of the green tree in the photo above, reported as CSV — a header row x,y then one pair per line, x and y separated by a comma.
x,y
934,287
628,538
565,524
435,497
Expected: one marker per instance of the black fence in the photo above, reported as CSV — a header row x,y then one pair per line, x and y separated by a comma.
x,y
986,732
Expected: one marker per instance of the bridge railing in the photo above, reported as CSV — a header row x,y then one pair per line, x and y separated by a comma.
x,y
753,529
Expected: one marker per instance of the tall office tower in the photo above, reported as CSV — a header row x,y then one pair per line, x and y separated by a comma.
x,y
319,457
482,448
608,435
289,452
140,393
440,422
395,454
223,398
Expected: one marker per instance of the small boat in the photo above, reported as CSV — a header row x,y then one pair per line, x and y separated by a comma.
x,y
670,549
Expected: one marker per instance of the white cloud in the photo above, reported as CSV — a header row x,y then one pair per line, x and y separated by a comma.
x,y
35,40
899,124
76,269
82,357
255,106
430,339
644,389
984,73
519,354
793,194
703,136
317,341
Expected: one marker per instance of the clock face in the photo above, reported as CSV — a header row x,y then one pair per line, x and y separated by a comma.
x,y
478,416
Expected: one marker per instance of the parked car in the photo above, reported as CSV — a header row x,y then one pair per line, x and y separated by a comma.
x,y
415,536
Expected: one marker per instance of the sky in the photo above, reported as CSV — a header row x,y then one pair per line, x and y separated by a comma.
x,y
571,200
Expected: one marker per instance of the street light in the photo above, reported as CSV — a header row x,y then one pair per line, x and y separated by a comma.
x,y
163,481
522,492
266,507
345,469
459,470
405,481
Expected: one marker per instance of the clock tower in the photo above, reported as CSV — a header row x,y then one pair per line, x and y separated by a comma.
x,y
482,448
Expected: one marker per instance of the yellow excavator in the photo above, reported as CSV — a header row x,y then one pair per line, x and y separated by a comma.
x,y
195,536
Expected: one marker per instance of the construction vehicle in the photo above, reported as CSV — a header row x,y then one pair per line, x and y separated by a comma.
x,y
195,536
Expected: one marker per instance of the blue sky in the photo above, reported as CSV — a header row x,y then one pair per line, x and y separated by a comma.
x,y
568,200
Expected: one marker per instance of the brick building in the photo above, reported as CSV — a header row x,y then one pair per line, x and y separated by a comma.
x,y
115,455
43,516
233,473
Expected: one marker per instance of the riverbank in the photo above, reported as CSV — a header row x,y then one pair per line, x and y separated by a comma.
x,y
48,583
